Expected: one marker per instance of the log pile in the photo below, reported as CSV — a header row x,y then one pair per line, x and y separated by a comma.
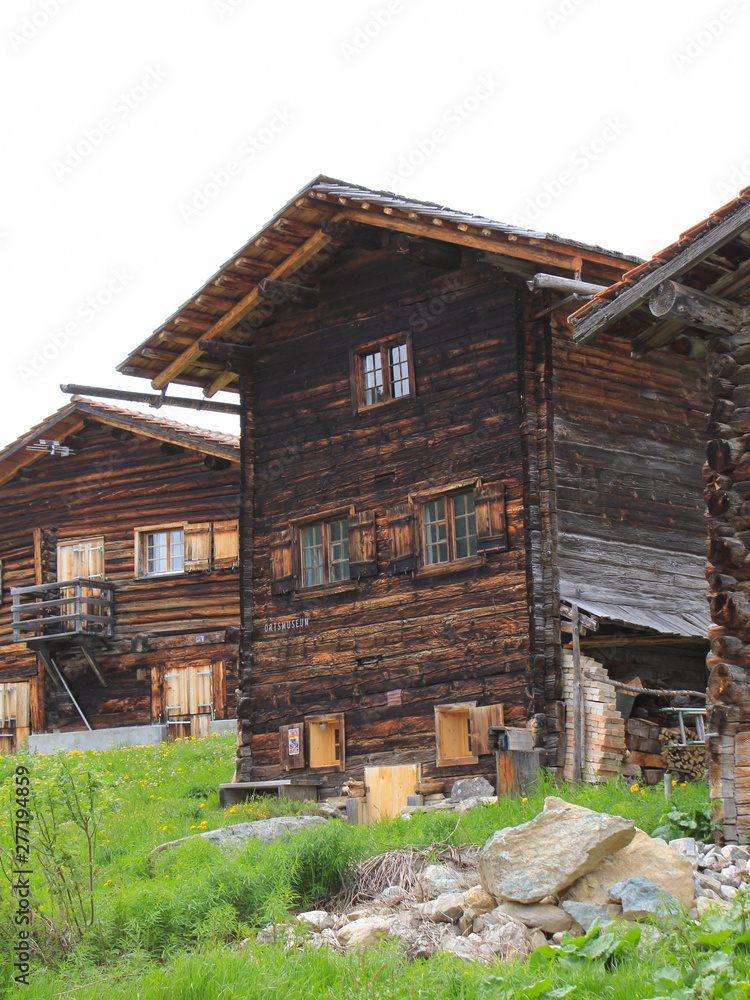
x,y
727,495
688,761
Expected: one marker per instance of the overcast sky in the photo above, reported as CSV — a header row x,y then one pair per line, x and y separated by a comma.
x,y
620,124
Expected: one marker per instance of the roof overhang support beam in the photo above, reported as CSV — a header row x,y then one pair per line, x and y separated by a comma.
x,y
511,247
354,234
283,293
672,301
680,264
293,263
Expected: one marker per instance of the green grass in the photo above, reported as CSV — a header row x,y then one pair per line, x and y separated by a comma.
x,y
178,921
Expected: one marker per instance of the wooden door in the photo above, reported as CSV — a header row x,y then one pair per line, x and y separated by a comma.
x,y
81,558
386,789
14,715
188,699
176,702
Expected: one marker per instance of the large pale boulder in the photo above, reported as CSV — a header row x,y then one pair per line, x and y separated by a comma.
x,y
653,859
364,934
544,856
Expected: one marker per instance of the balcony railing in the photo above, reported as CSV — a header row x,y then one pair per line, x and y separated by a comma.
x,y
65,610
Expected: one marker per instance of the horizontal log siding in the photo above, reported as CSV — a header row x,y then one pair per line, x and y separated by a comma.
x,y
110,487
459,637
629,448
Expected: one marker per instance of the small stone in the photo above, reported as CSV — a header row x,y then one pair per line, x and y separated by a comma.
x,y
394,892
317,920
590,914
707,882
557,938
479,900
469,788
509,939
363,934
447,908
460,948
729,891
685,847
438,879
538,939
538,916
478,925
704,904
642,899
701,893
359,913
734,853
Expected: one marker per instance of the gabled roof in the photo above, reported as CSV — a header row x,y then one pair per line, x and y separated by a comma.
x,y
711,256
293,245
70,418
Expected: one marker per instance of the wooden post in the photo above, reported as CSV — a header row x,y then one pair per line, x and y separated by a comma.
x,y
244,770
578,715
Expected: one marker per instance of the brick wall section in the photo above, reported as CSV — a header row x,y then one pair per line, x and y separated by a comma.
x,y
605,727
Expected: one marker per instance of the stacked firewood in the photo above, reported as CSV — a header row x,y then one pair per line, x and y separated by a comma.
x,y
689,761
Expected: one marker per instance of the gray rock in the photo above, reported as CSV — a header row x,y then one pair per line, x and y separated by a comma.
x,y
588,914
469,788
508,938
729,891
316,919
538,915
734,853
544,856
641,899
264,830
364,934
438,879
461,947
446,909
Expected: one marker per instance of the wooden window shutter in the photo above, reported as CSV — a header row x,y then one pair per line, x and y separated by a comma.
x,y
197,538
66,563
403,538
492,534
226,544
291,739
282,562
480,720
363,556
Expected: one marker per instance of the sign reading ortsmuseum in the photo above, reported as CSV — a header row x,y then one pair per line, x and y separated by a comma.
x,y
290,623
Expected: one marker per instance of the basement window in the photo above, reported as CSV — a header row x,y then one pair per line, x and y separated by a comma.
x,y
382,373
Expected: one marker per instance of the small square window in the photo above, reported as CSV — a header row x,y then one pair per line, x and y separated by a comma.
x,y
324,553
382,373
160,551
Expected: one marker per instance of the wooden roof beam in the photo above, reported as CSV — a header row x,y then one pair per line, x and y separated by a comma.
x,y
672,301
568,261
354,234
221,382
293,263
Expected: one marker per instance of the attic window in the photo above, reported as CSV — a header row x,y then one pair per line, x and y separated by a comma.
x,y
382,373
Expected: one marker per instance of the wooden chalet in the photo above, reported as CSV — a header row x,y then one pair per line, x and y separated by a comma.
x,y
440,490
697,291
118,574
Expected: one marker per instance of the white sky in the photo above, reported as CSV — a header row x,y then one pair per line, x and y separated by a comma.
x,y
615,123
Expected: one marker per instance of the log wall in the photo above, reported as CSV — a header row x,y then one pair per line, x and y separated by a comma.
x,y
629,438
386,653
110,487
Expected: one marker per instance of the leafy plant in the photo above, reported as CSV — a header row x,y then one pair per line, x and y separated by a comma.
x,y
698,823
604,944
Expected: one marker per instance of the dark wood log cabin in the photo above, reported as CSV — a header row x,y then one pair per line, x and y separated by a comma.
x,y
430,472
119,574
696,294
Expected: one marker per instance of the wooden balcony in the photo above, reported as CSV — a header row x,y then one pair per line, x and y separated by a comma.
x,y
67,611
